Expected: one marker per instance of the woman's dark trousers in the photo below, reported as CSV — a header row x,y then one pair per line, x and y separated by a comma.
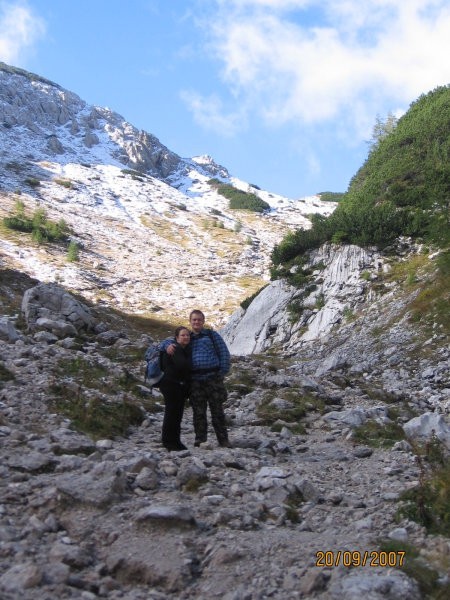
x,y
175,395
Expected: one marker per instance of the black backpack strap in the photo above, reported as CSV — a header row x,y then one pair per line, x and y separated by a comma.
x,y
209,333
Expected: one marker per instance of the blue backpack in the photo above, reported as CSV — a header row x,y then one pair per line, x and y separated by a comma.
x,y
153,370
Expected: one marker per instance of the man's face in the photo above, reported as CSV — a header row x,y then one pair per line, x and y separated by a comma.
x,y
197,321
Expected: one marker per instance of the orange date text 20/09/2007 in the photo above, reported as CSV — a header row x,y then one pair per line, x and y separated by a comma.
x,y
358,558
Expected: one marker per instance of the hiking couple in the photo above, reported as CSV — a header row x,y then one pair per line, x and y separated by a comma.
x,y
194,365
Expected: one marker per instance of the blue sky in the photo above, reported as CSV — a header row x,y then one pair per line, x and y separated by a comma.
x,y
284,93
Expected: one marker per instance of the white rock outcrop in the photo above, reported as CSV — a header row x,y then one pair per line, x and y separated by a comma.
x,y
49,307
336,286
264,321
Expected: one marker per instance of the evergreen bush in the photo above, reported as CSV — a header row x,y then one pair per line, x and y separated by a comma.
x,y
238,199
403,188
41,228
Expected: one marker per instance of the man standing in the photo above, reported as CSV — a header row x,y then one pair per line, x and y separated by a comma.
x,y
210,363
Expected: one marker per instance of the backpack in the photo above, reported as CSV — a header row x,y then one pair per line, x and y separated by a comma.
x,y
153,370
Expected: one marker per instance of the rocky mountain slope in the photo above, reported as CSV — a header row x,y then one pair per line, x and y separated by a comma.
x,y
154,235
337,482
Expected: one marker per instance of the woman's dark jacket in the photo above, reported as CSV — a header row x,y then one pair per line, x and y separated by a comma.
x,y
177,367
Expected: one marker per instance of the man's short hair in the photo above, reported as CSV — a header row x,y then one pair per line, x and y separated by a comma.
x,y
196,312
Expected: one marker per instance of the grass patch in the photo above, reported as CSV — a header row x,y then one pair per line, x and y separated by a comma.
x,y
406,271
100,401
243,381
429,502
431,304
166,230
300,405
32,182
194,484
6,374
98,418
13,285
64,183
238,199
291,506
378,435
85,373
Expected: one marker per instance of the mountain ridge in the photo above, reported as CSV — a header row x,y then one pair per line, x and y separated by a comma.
x,y
89,166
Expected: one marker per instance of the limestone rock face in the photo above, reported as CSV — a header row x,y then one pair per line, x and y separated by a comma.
x,y
335,286
40,107
48,306
264,322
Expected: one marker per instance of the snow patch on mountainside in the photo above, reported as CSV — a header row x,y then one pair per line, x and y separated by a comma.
x,y
154,234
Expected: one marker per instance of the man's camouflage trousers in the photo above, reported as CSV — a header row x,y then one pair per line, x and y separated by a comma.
x,y
208,392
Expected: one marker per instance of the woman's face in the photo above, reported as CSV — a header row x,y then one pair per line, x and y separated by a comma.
x,y
184,337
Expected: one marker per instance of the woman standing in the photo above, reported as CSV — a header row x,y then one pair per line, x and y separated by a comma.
x,y
174,387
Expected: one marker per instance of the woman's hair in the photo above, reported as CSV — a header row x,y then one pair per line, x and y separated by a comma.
x,y
179,329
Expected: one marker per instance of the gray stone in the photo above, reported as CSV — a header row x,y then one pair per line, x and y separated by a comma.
x,y
147,479
426,425
7,331
101,486
166,513
399,533
32,462
192,470
50,301
19,577
376,585
60,329
68,441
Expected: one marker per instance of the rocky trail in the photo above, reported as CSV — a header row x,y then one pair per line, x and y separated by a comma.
x,y
293,510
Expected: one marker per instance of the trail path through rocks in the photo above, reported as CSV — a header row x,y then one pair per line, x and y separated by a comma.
x,y
126,519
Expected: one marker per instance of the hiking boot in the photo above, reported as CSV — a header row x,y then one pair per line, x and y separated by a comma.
x,y
175,447
198,442
225,444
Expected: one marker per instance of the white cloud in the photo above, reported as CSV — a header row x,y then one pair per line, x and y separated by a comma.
x,y
209,113
20,29
310,61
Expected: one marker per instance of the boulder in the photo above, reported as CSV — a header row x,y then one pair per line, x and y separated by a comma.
x,y
8,332
50,307
424,426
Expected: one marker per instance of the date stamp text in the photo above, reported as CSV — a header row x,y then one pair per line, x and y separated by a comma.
x,y
358,558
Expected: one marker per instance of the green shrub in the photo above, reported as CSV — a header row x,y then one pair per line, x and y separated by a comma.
x,y
320,302
331,196
295,310
402,189
32,182
238,199
41,229
64,183
18,223
73,251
